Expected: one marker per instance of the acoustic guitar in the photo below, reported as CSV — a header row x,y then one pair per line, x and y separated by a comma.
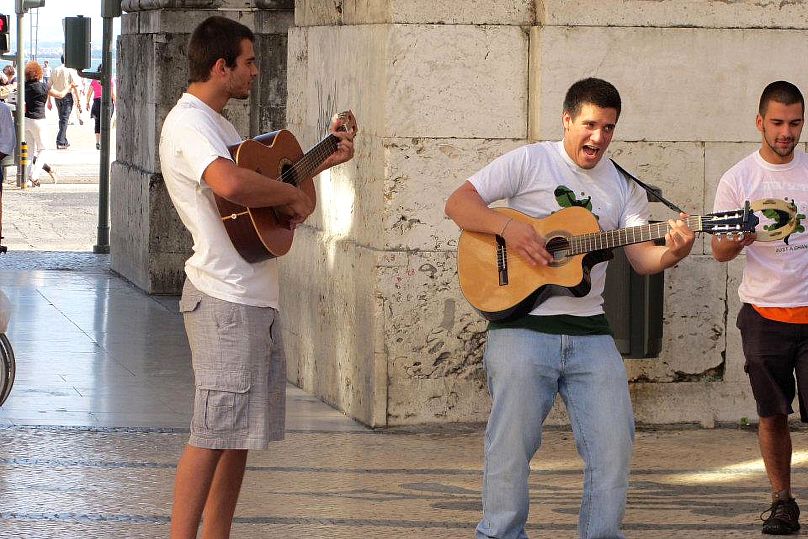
x,y
261,233
502,285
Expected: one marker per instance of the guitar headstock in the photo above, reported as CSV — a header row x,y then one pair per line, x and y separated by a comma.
x,y
730,223
347,122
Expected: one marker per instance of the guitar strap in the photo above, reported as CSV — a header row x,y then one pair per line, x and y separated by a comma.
x,y
651,191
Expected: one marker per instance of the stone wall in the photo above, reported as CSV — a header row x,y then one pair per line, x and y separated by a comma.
x,y
148,243
379,328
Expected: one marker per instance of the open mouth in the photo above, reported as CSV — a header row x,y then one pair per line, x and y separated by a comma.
x,y
591,151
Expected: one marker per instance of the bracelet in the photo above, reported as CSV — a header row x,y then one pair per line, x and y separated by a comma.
x,y
506,226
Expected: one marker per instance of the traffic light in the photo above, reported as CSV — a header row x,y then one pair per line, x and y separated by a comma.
x,y
4,38
24,5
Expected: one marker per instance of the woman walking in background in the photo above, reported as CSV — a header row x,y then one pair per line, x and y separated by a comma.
x,y
36,128
94,93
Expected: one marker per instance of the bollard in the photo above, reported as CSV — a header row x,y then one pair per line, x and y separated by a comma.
x,y
22,173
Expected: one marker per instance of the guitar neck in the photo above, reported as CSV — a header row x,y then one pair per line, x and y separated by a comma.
x,y
311,161
597,241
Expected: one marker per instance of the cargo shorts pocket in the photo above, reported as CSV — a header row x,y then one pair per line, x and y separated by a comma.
x,y
190,300
221,403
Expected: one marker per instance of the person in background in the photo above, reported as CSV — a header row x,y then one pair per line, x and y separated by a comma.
x,y
8,142
64,81
46,72
36,127
11,74
94,93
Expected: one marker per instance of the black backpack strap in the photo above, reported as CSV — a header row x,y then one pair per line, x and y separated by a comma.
x,y
651,191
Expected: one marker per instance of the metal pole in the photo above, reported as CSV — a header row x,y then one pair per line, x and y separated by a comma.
x,y
106,116
20,110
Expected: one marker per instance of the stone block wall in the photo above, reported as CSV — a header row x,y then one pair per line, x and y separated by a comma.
x,y
440,89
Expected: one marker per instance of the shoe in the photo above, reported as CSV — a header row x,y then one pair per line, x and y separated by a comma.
x,y
62,146
52,173
97,145
783,519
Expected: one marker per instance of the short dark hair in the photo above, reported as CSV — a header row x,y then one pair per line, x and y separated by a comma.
x,y
591,91
215,37
781,91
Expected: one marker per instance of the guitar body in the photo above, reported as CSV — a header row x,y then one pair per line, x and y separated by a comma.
x,y
258,233
479,267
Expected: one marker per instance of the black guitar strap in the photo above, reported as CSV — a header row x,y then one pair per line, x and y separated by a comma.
x,y
651,191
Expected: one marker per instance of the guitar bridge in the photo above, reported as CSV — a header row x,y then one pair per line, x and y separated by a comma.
x,y
502,261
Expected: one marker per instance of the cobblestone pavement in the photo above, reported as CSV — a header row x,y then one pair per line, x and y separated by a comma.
x,y
106,483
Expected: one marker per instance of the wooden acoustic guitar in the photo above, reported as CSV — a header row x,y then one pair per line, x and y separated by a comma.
x,y
502,285
261,233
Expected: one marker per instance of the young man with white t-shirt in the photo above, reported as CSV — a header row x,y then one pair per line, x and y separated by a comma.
x,y
230,306
564,345
774,317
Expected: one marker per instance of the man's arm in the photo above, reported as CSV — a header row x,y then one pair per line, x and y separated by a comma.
x,y
248,188
647,258
470,212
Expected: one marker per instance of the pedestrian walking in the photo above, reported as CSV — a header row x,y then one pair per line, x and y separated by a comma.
x,y
64,81
94,94
36,127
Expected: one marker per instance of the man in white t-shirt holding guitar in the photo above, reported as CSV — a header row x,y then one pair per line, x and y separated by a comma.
x,y
774,317
564,345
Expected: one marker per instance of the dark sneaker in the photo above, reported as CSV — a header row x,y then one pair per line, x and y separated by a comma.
x,y
783,519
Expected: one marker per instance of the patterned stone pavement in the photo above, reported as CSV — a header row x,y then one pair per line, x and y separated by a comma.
x,y
74,482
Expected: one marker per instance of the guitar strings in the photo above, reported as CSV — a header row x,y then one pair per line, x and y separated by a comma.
x,y
321,150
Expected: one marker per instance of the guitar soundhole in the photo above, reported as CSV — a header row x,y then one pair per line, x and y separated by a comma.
x,y
558,247
288,174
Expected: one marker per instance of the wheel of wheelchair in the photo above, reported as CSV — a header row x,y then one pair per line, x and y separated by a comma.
x,y
8,368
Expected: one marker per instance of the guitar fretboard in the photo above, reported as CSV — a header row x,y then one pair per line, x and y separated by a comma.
x,y
307,164
597,241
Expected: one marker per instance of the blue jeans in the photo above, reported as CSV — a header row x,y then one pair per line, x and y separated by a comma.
x,y
64,106
525,371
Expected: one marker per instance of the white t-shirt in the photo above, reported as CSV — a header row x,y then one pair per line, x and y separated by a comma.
x,y
194,135
775,274
540,179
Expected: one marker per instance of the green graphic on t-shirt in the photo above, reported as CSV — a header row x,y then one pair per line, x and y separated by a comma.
x,y
566,198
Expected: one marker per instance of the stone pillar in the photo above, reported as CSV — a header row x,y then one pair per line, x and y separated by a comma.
x,y
376,324
149,244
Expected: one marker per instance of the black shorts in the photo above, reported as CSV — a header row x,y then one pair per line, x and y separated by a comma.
x,y
775,352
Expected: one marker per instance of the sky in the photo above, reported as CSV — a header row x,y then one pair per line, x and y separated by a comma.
x,y
51,15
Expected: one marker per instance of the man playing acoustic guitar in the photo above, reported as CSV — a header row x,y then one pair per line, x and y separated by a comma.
x,y
774,317
564,345
230,306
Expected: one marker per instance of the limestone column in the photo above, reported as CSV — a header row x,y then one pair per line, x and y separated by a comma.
x,y
374,322
148,242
